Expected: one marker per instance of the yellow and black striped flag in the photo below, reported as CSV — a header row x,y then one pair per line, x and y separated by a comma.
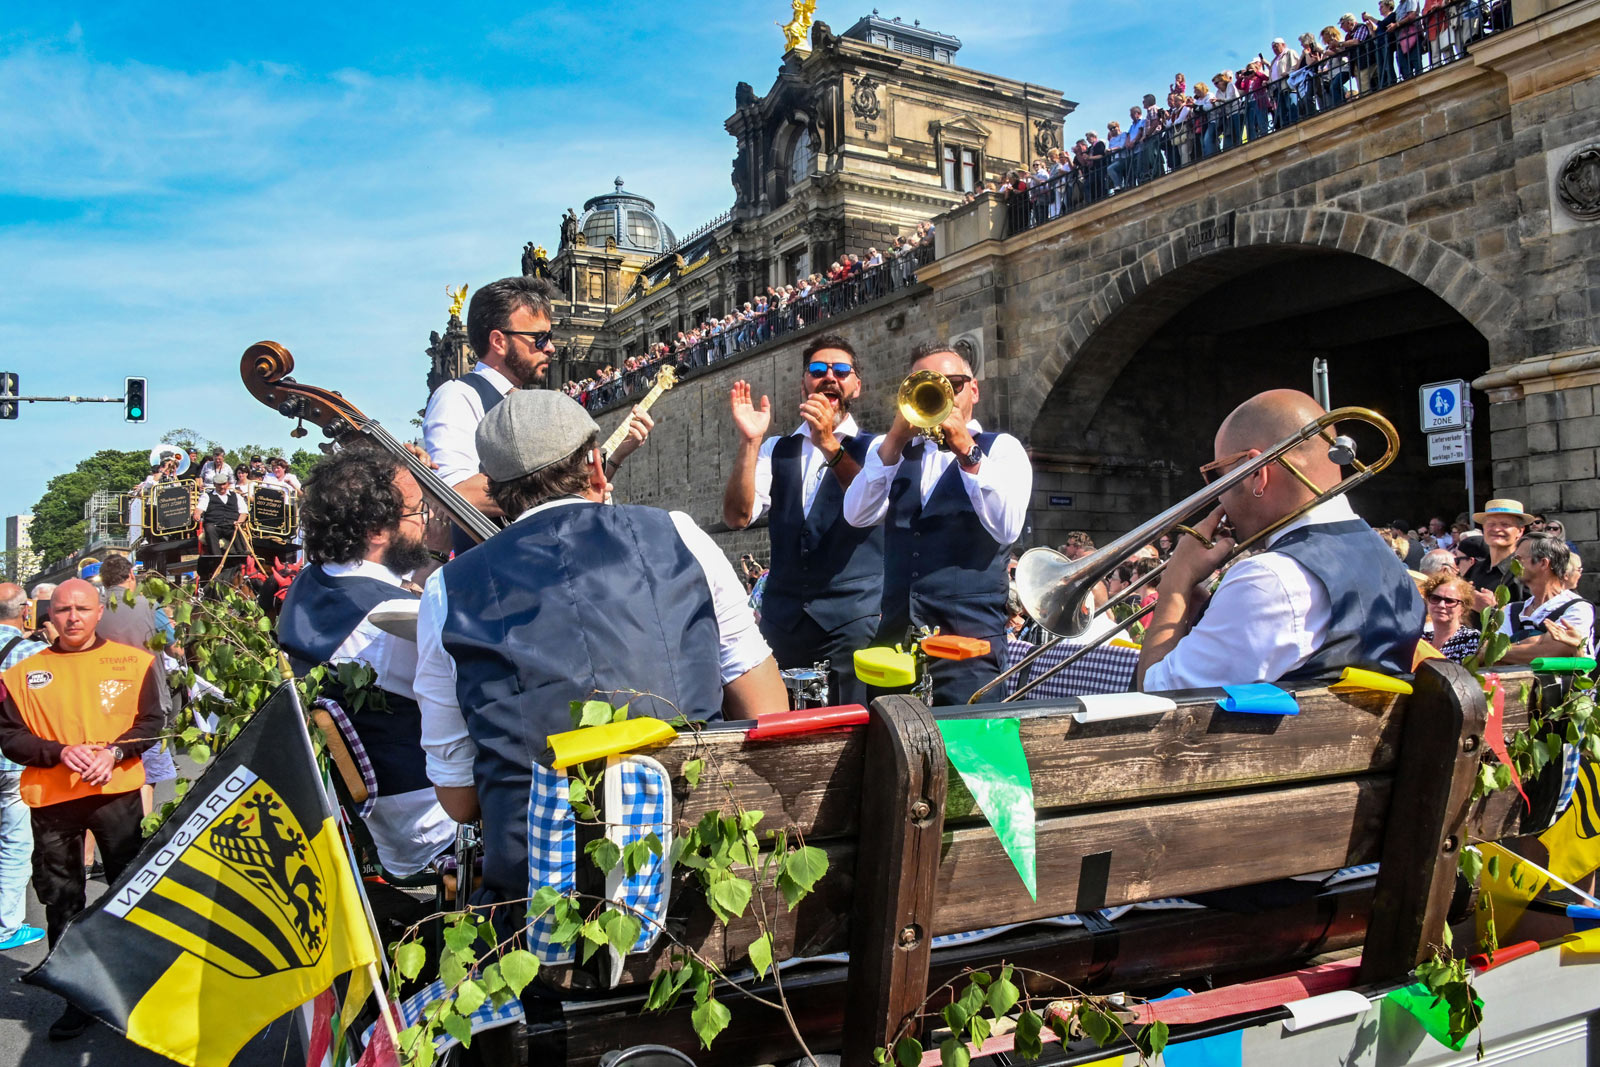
x,y
1574,840
240,908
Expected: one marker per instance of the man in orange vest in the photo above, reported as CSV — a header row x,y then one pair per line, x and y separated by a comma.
x,y
77,715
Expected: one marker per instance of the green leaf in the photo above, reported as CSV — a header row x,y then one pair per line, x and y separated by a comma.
x,y
458,1027
1471,865
620,714
453,969
470,996
460,935
710,1018
729,897
200,753
518,967
953,1053
691,772
605,853
798,873
1494,867
594,713
621,927
1003,995
761,953
908,1051
409,958
1029,1044
543,900
978,1030
1152,1039
594,936
955,1017
1097,1025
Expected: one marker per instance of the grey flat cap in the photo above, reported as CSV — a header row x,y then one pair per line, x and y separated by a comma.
x,y
529,430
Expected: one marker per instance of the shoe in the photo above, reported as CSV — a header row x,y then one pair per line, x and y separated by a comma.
x,y
95,870
73,1022
25,935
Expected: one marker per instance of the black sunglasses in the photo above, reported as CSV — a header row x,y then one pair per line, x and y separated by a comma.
x,y
540,338
958,382
840,370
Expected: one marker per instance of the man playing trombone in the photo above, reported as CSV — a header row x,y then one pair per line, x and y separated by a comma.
x,y
950,515
1326,594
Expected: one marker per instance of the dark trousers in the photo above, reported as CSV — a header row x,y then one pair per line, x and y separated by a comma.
x,y
58,831
217,537
808,643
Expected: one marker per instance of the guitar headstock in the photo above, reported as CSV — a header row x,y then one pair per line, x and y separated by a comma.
x,y
265,368
667,378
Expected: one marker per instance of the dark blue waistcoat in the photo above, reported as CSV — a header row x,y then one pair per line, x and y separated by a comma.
x,y
576,601
459,541
821,565
941,567
319,613
1377,612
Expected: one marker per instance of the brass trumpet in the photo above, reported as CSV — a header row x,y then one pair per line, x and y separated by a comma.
x,y
925,400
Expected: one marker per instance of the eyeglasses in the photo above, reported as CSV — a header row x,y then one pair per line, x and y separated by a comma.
x,y
540,338
1216,465
958,382
1435,598
422,511
840,370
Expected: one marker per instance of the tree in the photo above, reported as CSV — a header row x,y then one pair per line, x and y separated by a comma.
x,y
58,528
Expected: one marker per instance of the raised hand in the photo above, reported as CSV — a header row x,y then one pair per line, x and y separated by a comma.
x,y
751,421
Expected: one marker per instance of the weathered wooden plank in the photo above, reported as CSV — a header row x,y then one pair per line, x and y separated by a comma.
x,y
1432,787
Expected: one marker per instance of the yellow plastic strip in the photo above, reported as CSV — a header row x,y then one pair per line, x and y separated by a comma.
x,y
610,739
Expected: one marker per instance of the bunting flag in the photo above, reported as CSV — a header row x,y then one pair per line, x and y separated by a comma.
x,y
1494,732
1432,1012
1574,841
240,908
988,755
1508,886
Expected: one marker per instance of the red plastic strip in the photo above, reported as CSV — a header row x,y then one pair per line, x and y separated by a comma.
x,y
1503,954
806,720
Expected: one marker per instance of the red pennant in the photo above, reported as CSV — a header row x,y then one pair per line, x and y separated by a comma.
x,y
380,1051
1494,730
321,1038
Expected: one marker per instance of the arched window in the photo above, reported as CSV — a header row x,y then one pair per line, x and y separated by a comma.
x,y
800,158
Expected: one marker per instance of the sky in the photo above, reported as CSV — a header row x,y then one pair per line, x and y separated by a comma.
x,y
179,180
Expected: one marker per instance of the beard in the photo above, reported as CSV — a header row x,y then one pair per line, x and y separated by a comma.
x,y
840,401
526,371
405,554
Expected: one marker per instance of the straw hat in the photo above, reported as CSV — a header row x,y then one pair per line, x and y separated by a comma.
x,y
1505,508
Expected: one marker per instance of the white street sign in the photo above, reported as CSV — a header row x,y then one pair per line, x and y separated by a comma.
x,y
1447,448
1443,405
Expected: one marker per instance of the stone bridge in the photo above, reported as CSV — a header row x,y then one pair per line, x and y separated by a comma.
x,y
1447,227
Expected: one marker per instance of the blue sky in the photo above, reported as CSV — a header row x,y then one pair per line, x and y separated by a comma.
x,y
182,179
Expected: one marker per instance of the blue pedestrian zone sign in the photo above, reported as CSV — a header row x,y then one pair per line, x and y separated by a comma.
x,y
1442,406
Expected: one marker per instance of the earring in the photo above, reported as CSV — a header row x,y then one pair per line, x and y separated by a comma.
x,y
1257,493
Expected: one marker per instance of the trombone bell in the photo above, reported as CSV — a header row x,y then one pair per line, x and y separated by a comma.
x,y
925,400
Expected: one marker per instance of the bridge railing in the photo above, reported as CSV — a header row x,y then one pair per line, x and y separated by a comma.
x,y
836,299
1437,39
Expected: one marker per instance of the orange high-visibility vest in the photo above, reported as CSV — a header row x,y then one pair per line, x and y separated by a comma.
x,y
79,698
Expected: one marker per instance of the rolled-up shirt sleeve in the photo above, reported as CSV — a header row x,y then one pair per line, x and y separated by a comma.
x,y
449,748
740,644
763,499
999,490
866,502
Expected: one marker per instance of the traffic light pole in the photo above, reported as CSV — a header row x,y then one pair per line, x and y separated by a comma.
x,y
63,399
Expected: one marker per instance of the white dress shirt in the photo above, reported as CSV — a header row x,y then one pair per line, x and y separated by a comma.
x,y
409,829
450,424
444,732
211,494
812,470
999,490
1267,617
1565,607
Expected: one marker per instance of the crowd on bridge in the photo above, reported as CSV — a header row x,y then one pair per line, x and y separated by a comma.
x,y
1296,80
850,281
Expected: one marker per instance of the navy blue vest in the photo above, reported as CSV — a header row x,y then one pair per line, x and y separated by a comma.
x,y
319,613
1377,611
221,510
941,567
581,600
821,565
490,396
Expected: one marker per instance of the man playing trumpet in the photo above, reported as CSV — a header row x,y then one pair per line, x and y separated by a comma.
x,y
1326,594
950,515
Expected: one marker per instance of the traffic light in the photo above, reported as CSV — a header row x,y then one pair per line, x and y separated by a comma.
x,y
9,386
133,401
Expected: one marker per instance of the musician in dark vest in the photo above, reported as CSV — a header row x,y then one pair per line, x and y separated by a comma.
x,y
509,328
219,511
950,514
824,591
1328,592
365,525
574,600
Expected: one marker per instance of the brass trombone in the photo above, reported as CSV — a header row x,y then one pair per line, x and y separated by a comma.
x,y
1056,590
925,399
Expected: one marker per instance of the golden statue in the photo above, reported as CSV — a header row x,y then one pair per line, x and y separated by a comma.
x,y
540,253
458,298
798,28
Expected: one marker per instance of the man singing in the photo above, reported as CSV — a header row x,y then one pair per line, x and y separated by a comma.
x,y
951,515
1328,593
508,326
822,595
365,526
574,600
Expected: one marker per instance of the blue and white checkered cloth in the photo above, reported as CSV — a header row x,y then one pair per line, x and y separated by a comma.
x,y
552,856
644,789
1570,760
1107,669
410,1010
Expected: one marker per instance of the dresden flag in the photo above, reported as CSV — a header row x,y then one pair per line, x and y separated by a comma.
x,y
1574,840
239,909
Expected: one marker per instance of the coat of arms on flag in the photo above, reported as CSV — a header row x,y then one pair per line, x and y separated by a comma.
x,y
240,908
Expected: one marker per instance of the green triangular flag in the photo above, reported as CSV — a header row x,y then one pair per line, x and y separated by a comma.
x,y
1432,1011
988,755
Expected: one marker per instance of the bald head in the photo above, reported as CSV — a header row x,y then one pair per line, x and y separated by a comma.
x,y
13,600
1267,418
75,610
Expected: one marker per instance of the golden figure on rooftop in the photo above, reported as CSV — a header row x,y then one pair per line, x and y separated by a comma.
x,y
458,299
796,29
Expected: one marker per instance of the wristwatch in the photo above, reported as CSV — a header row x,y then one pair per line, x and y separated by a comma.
x,y
116,753
973,457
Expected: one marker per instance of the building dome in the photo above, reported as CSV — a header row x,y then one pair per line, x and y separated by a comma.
x,y
631,219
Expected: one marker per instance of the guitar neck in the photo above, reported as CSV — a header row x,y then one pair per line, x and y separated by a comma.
x,y
620,434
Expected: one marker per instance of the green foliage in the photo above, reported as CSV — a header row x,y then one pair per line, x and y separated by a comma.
x,y
59,529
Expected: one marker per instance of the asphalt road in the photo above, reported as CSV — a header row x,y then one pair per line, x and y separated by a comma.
x,y
26,1012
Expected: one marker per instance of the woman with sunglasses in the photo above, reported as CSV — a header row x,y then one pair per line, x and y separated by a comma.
x,y
1448,598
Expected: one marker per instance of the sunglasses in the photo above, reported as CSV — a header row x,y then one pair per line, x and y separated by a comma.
x,y
840,370
540,338
958,382
1216,466
1435,598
